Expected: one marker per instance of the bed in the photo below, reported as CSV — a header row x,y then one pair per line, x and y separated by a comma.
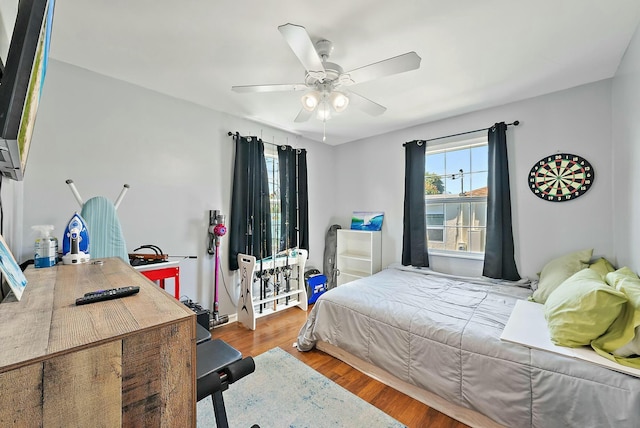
x,y
436,338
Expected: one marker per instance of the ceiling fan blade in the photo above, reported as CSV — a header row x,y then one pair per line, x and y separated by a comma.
x,y
271,88
365,104
301,44
303,115
387,67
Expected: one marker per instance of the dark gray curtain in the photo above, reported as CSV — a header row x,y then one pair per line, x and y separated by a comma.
x,y
288,198
294,203
250,220
499,261
303,199
414,236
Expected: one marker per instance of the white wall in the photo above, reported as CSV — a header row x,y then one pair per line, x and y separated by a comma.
x,y
8,12
576,121
626,147
177,158
175,155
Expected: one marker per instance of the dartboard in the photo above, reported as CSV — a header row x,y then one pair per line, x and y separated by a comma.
x,y
561,177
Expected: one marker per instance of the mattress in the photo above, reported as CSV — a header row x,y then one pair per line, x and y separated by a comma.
x,y
442,334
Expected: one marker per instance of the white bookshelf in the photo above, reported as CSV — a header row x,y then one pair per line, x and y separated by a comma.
x,y
359,254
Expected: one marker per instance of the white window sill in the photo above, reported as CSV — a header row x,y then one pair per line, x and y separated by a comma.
x,y
456,255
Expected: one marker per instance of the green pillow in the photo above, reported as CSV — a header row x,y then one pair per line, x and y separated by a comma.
x,y
581,309
602,266
621,342
613,278
557,270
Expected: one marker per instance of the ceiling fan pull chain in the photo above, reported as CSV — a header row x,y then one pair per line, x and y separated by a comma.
x,y
324,130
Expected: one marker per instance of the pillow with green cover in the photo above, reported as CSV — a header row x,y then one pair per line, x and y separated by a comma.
x,y
621,342
582,308
557,270
614,278
602,266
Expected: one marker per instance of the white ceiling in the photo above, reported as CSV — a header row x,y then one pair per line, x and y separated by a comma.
x,y
475,54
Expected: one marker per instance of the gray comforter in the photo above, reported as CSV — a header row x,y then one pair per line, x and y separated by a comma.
x,y
443,335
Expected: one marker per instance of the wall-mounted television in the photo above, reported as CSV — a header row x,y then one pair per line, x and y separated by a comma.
x,y
22,82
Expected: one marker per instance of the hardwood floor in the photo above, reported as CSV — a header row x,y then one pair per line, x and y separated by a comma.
x,y
281,330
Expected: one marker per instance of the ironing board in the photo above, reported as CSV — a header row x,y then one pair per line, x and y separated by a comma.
x,y
104,229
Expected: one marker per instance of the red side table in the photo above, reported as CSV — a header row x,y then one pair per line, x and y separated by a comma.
x,y
158,272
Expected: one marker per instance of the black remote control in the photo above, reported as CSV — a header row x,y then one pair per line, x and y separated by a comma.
x,y
114,293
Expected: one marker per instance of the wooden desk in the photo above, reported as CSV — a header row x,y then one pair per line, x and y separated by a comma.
x,y
124,362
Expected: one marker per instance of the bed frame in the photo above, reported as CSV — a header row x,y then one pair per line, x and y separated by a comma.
x,y
459,413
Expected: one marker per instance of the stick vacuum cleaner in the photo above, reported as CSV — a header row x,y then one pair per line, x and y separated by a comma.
x,y
217,230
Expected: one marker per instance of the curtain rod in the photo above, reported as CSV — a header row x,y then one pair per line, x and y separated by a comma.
x,y
514,123
237,134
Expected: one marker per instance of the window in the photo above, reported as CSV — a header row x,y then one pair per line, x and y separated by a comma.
x,y
435,222
273,173
456,195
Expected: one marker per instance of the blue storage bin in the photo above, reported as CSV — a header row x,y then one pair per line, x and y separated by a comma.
x,y
316,285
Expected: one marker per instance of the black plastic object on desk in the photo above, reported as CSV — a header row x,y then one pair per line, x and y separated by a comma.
x,y
101,295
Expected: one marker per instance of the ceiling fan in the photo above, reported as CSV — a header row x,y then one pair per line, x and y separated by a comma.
x,y
325,82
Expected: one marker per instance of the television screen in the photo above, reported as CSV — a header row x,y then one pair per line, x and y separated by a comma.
x,y
22,82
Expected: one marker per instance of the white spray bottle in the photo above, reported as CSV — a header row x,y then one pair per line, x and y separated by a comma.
x,y
46,247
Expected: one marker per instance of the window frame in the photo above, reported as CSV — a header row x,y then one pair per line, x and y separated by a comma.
x,y
447,145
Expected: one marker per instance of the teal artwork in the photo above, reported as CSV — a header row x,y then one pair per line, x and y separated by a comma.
x,y
12,272
366,220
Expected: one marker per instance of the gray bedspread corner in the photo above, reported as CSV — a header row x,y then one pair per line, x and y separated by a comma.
x,y
443,335
305,340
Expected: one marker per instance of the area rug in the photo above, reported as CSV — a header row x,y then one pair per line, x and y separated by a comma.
x,y
285,392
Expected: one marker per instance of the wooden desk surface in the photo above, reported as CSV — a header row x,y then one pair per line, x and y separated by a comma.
x,y
46,320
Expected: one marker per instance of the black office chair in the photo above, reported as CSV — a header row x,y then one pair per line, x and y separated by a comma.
x,y
218,365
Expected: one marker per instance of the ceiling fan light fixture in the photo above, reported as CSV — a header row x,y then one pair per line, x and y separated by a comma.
x,y
339,101
324,112
310,100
